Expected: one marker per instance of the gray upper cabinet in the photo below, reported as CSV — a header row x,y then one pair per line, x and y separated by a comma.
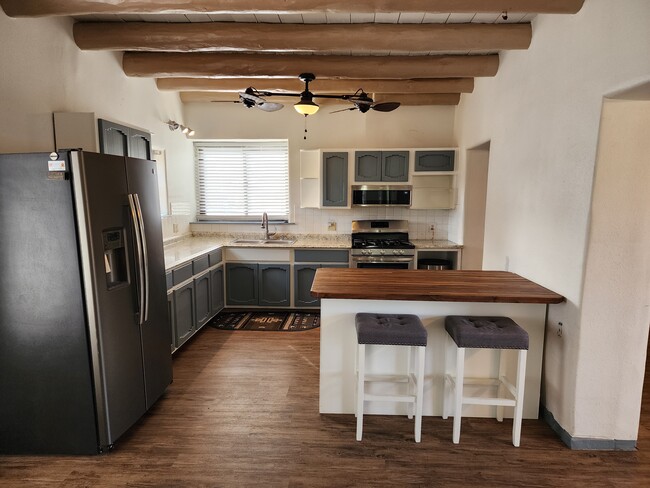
x,y
274,285
335,179
123,141
367,165
434,160
394,166
390,166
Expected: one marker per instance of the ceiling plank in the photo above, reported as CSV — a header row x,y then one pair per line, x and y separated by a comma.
x,y
206,37
165,65
421,99
235,85
22,8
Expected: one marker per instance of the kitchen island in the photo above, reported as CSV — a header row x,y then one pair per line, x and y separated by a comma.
x,y
432,295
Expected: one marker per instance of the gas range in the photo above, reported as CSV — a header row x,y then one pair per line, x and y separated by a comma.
x,y
381,244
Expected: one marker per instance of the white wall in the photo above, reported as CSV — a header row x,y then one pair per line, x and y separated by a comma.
x,y
541,114
43,71
406,127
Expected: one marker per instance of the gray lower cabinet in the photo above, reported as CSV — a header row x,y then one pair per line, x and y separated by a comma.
x,y
241,284
335,179
257,284
274,285
183,313
303,277
202,293
194,296
216,290
302,281
170,313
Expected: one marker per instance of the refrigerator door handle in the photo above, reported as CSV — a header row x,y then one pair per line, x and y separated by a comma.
x,y
138,245
145,255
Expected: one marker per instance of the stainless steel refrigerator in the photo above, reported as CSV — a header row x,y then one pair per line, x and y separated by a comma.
x,y
85,339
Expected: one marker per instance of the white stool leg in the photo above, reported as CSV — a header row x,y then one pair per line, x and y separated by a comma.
x,y
519,405
500,387
458,394
420,392
361,371
446,387
411,388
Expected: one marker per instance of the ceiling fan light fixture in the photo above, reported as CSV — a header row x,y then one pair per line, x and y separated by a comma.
x,y
306,105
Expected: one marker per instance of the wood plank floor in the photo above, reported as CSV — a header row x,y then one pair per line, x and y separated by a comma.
x,y
243,411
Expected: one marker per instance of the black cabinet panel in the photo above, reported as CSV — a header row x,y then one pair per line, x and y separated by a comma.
x,y
321,256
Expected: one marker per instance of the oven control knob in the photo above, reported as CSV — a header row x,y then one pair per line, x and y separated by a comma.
x,y
395,251
401,251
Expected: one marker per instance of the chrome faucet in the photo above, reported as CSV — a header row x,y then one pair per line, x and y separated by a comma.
x,y
265,226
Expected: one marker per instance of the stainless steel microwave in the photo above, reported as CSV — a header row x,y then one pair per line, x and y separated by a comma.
x,y
368,195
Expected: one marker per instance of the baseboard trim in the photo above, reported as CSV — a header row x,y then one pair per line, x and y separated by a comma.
x,y
585,443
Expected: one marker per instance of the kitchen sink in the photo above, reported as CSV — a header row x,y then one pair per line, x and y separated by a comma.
x,y
264,241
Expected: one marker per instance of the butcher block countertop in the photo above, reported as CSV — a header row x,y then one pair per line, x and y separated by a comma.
x,y
427,285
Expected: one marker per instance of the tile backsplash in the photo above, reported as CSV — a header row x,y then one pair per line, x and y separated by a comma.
x,y
316,221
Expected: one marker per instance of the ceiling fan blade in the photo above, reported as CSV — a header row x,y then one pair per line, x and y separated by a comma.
x,y
251,97
385,106
270,106
344,110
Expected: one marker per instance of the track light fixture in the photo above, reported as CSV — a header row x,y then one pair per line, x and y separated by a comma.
x,y
185,130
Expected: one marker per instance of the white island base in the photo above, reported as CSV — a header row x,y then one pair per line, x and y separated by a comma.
x,y
338,343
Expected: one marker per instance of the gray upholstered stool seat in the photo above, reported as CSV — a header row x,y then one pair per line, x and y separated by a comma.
x,y
497,333
486,332
391,330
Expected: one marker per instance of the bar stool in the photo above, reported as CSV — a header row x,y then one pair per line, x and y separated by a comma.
x,y
487,333
391,330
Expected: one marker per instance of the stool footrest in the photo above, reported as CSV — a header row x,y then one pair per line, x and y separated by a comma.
x,y
500,402
390,398
387,378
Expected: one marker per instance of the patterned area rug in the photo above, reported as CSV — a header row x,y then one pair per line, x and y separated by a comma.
x,y
286,321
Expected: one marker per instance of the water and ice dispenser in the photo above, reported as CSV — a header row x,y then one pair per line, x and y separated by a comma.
x,y
115,258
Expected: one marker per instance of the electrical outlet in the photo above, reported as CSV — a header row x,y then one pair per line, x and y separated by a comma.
x,y
331,225
175,228
559,329
431,227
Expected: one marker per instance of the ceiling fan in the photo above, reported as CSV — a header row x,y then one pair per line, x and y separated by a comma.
x,y
306,105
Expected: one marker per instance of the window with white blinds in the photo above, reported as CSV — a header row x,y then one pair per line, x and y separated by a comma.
x,y
240,179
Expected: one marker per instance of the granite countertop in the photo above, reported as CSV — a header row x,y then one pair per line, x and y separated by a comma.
x,y
437,244
183,250
178,251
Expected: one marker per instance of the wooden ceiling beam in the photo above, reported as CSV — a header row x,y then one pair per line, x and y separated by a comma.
x,y
239,36
165,65
39,8
320,85
413,100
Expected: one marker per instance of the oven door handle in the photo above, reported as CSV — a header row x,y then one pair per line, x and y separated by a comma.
x,y
382,259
